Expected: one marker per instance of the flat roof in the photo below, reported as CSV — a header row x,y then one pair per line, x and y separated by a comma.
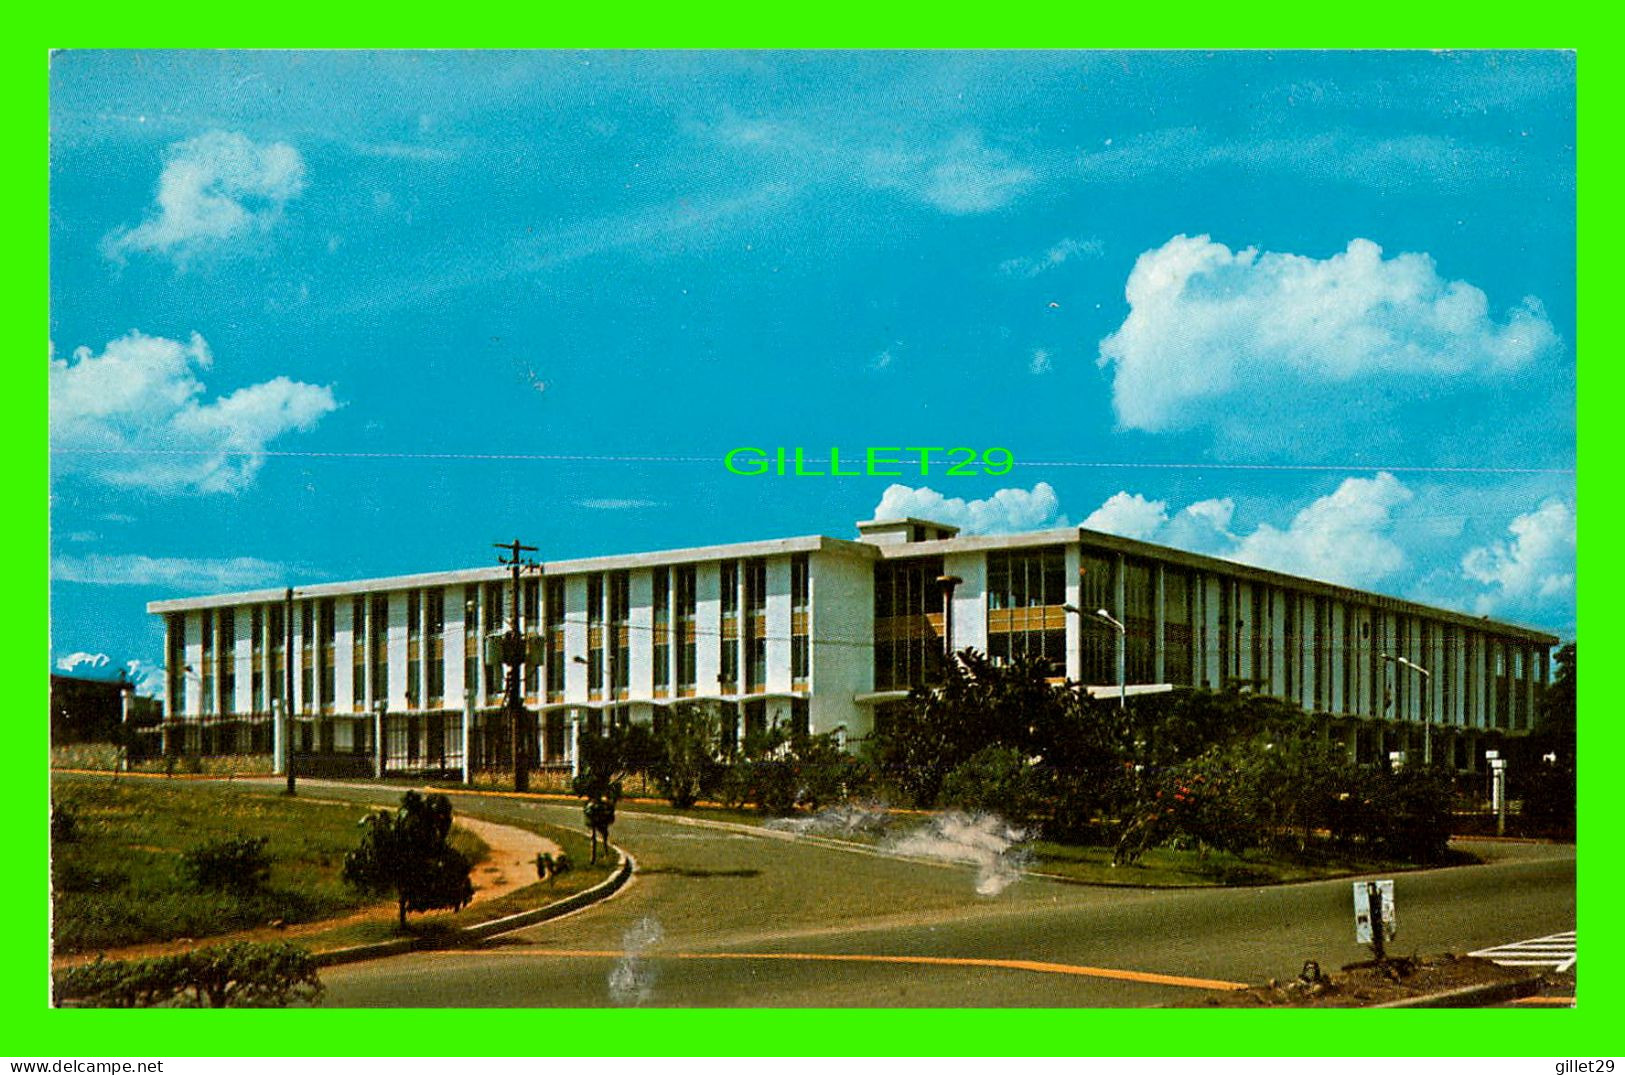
x,y
871,551
497,573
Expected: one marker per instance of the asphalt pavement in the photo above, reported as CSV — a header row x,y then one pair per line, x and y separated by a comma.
x,y
721,918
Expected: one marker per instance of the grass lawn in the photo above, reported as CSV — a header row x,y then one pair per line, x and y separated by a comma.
x,y
1166,867
119,880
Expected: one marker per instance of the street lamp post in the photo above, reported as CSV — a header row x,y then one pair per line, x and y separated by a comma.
x,y
1122,648
1427,722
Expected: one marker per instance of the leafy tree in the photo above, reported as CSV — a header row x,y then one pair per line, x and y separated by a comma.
x,y
685,753
605,763
405,852
971,703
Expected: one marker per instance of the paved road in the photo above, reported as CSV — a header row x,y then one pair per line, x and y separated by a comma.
x,y
718,918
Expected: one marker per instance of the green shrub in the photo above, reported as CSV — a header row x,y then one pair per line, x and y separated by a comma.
x,y
995,780
242,975
64,823
238,864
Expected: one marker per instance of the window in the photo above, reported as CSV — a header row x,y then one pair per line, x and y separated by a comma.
x,y
1177,665
1321,649
256,656
206,688
358,653
378,645
908,621
555,639
278,632
661,634
434,616
756,625
1097,588
471,642
1140,617
227,678
327,618
496,619
307,661
687,649
620,614
595,635
728,666
800,642
175,664
1025,592
414,638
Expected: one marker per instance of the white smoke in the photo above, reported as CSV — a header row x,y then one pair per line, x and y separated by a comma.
x,y
632,979
848,819
985,841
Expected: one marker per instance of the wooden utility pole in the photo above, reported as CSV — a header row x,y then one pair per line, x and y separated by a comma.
x,y
514,657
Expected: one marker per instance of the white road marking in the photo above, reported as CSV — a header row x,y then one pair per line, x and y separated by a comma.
x,y
1556,950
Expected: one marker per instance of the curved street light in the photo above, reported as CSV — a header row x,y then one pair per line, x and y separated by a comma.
x,y
1122,642
1427,721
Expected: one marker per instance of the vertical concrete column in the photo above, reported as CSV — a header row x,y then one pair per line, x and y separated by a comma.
x,y
778,623
640,634
1074,597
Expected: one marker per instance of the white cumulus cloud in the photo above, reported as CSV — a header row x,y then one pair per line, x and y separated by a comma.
x,y
1344,536
1207,324
215,188
1006,511
138,416
1129,515
1534,568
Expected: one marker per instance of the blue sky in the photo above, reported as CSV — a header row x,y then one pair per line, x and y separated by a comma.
x,y
1310,310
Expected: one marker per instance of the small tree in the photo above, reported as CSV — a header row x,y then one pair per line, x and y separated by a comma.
x,y
606,761
406,853
685,753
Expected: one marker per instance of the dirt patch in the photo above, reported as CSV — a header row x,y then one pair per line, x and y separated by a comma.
x,y
1366,986
511,861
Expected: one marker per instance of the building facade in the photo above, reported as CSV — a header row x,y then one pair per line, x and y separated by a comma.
x,y
820,634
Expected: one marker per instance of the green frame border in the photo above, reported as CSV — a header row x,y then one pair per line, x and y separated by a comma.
x,y
37,1030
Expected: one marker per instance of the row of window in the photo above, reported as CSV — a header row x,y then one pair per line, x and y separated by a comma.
x,y
1326,654
608,629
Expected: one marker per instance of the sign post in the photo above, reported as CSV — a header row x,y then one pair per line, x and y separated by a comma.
x,y
1374,918
1498,789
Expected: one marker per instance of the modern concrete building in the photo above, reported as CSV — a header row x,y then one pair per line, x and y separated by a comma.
x,y
822,634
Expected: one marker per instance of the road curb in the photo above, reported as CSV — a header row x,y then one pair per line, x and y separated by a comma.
x,y
1471,996
484,931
